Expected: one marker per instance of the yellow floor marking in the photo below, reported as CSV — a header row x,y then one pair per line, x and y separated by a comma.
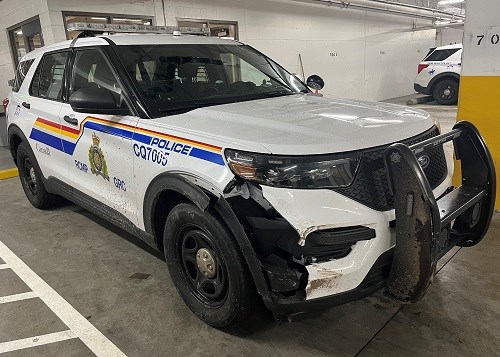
x,y
5,174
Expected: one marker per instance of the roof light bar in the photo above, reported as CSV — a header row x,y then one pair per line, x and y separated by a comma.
x,y
132,28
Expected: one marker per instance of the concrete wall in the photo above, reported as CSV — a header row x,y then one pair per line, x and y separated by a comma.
x,y
480,80
13,12
449,36
360,54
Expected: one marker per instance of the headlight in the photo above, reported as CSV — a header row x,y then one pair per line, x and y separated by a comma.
x,y
316,171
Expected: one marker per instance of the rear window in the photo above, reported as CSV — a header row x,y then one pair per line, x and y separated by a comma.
x,y
21,72
440,55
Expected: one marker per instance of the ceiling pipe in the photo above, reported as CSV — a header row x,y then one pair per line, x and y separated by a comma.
x,y
392,8
452,25
411,6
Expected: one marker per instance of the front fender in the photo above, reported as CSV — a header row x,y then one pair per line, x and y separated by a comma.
x,y
181,185
170,182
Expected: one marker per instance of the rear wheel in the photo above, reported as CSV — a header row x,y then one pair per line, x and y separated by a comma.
x,y
207,267
446,92
31,179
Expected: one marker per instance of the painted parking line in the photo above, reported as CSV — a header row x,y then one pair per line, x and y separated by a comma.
x,y
4,266
79,326
17,297
5,174
36,341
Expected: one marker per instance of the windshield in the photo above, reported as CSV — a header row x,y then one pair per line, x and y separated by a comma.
x,y
173,79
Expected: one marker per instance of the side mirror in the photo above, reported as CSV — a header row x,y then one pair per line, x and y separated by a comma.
x,y
11,82
315,82
96,101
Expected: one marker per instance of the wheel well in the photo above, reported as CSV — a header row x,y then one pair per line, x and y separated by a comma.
x,y
14,142
167,200
440,79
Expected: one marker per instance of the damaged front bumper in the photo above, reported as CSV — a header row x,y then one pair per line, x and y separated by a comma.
x,y
319,248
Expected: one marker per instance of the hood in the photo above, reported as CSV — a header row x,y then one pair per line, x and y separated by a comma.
x,y
302,124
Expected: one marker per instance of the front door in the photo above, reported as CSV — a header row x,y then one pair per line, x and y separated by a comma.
x,y
101,160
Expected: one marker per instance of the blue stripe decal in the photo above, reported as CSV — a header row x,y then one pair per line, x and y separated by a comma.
x,y
145,139
109,129
207,155
69,147
47,139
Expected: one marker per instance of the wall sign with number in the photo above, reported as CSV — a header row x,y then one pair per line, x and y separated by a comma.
x,y
494,39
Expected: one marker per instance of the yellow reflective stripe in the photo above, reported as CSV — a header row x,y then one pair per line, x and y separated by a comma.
x,y
5,174
478,103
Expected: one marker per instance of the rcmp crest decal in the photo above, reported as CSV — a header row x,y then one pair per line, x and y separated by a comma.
x,y
96,158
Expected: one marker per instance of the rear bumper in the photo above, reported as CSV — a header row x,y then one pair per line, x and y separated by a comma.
x,y
420,89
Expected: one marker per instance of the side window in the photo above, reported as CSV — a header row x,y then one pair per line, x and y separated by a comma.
x,y
91,70
22,69
49,76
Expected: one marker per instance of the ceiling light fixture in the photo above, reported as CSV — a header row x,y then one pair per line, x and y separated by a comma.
x,y
440,23
449,2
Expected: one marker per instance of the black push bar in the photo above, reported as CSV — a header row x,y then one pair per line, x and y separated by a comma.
x,y
426,227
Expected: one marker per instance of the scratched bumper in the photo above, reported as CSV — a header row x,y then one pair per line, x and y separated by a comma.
x,y
374,281
313,210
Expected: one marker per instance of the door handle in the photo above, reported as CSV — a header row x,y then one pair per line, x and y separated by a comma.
x,y
26,105
70,120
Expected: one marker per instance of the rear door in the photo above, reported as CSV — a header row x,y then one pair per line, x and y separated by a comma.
x,y
41,108
100,156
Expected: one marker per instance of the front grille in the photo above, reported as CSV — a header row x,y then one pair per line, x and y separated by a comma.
x,y
371,185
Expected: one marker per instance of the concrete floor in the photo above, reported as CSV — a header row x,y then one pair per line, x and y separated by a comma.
x,y
5,159
92,265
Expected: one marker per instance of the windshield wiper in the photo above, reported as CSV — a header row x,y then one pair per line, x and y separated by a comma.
x,y
186,108
180,109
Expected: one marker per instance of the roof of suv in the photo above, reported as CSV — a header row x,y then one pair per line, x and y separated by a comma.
x,y
133,39
449,47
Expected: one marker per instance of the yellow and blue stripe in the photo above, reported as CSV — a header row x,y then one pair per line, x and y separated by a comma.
x,y
65,139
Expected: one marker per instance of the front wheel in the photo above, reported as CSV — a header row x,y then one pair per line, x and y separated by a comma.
x,y
207,267
446,92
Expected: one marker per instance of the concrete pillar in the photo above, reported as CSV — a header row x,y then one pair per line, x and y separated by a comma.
x,y
480,79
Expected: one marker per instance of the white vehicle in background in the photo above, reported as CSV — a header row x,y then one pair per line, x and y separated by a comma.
x,y
439,74
254,188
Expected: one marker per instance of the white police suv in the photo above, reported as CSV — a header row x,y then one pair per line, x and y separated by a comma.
x,y
439,74
255,189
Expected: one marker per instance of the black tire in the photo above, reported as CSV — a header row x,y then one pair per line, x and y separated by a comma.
x,y
32,180
446,92
228,298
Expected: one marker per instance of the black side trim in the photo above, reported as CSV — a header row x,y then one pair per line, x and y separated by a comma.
x,y
15,130
83,200
419,89
170,182
227,214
